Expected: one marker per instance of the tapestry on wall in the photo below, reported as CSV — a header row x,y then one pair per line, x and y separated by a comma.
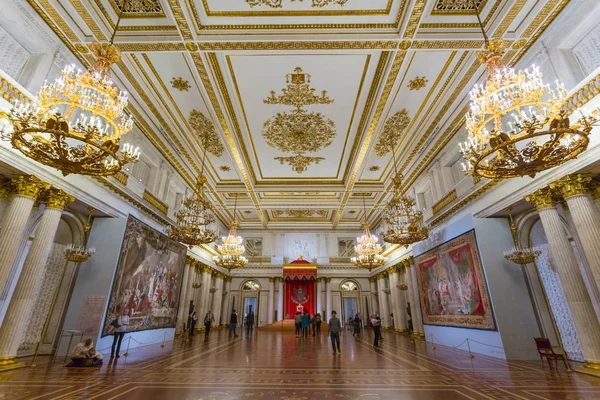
x,y
147,281
452,285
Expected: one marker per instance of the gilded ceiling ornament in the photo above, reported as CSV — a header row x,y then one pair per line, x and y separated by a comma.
x,y
225,168
374,168
352,212
138,6
418,83
300,213
299,132
454,6
180,84
279,3
298,93
392,131
299,163
204,128
519,44
247,212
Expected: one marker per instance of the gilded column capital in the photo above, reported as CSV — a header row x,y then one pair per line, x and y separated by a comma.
x,y
595,190
541,198
328,279
272,279
29,185
372,279
56,198
392,270
572,185
5,188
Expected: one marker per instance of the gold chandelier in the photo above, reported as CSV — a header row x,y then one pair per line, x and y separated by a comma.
x,y
197,213
368,249
82,253
232,249
518,126
75,124
405,222
518,254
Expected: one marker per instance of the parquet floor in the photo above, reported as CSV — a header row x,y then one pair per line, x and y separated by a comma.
x,y
276,365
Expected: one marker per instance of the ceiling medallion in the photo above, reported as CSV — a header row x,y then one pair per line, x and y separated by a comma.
x,y
279,3
374,168
517,126
418,83
225,168
76,123
138,6
453,6
180,84
299,131
205,131
392,131
299,213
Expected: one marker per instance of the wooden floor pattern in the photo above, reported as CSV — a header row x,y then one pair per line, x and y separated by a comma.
x,y
277,365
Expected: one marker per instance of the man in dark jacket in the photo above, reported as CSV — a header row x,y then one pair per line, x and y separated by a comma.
x,y
233,323
335,328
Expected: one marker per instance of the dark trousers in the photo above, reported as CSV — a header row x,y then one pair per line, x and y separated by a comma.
x,y
232,327
377,330
250,327
117,337
335,340
298,327
207,328
305,331
318,327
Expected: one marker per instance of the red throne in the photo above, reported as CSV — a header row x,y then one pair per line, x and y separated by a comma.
x,y
299,277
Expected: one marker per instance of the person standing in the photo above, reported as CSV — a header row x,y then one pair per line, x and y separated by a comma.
x,y
233,320
378,318
250,322
298,322
356,322
318,321
305,324
376,322
313,324
192,323
209,318
120,324
335,327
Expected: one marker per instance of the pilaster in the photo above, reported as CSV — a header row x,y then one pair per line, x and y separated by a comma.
x,y
271,300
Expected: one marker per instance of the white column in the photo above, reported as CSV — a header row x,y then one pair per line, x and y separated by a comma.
x,y
413,296
26,189
384,311
271,300
319,296
184,305
328,298
400,318
586,218
226,309
30,280
576,294
280,299
217,298
373,297
203,300
394,297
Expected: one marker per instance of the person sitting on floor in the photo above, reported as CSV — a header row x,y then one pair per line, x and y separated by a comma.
x,y
96,356
79,356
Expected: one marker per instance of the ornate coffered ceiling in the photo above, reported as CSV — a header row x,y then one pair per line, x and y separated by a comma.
x,y
222,58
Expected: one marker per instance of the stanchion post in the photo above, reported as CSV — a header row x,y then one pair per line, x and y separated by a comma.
x,y
128,343
469,347
432,341
164,339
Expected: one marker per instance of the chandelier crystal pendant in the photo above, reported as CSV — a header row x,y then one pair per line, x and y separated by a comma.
x,y
76,123
231,251
517,125
82,253
518,254
368,249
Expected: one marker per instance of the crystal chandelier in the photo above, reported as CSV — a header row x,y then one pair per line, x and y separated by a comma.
x,y
232,249
82,253
368,249
75,124
405,222
518,254
197,213
517,125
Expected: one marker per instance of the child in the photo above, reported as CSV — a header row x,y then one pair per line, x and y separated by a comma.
x,y
96,356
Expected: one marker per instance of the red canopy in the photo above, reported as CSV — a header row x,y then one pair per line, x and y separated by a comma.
x,y
300,270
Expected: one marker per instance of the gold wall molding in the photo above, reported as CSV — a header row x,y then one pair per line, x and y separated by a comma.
x,y
462,203
447,199
180,19
156,202
122,177
414,19
301,45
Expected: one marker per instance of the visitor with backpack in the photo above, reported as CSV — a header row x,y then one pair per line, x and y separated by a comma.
x,y
120,324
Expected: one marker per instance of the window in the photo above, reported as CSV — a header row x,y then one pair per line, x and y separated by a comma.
x,y
253,247
346,247
349,286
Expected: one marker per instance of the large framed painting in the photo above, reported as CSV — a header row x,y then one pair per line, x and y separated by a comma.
x,y
147,280
452,285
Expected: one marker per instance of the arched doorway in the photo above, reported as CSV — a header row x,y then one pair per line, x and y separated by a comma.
x,y
350,291
250,296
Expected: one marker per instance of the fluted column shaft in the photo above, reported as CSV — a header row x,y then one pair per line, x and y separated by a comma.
x,y
394,297
400,317
280,299
30,279
186,287
373,302
328,298
226,309
413,295
384,311
14,222
271,301
319,296
569,273
217,300
203,298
